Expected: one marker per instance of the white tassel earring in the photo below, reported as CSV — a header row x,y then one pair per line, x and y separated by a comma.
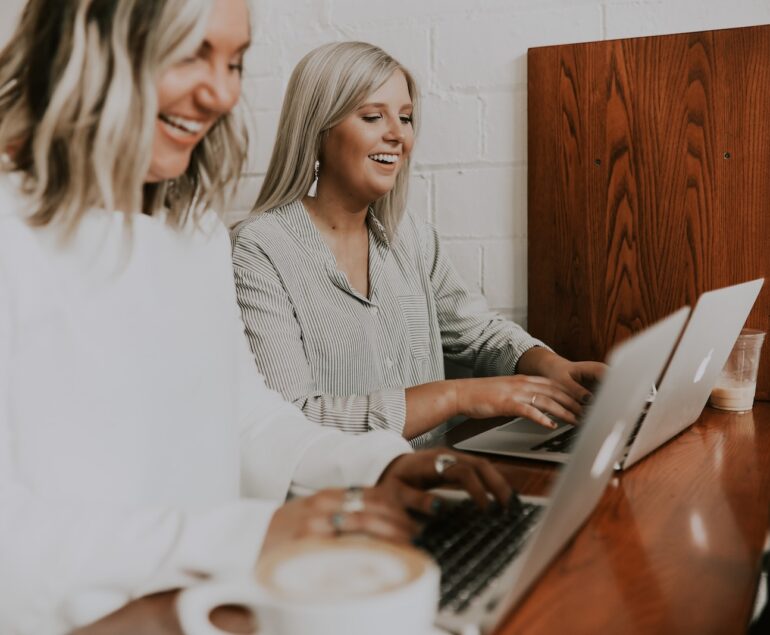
x,y
314,185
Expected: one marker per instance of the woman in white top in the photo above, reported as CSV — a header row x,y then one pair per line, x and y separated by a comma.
x,y
350,306
139,448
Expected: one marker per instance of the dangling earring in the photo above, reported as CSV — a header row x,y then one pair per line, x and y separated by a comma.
x,y
314,185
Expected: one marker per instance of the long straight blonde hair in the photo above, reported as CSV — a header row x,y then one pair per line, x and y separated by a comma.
x,y
78,106
327,85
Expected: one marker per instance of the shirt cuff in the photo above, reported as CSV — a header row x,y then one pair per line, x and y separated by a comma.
x,y
344,460
387,410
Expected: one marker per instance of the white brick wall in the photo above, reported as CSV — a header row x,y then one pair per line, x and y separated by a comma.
x,y
470,59
469,174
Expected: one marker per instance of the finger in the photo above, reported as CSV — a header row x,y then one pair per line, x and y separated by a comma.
x,y
464,475
417,500
558,395
577,391
391,509
377,526
545,404
493,480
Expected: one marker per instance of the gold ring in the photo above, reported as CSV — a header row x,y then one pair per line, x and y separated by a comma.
x,y
353,501
443,462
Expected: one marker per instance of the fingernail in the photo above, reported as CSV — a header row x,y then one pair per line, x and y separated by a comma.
x,y
435,505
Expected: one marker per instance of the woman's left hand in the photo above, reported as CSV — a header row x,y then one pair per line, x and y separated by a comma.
x,y
577,378
409,476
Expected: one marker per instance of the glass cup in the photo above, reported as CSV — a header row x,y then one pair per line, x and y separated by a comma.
x,y
735,387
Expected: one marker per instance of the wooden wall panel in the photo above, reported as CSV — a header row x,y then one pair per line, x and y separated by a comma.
x,y
649,182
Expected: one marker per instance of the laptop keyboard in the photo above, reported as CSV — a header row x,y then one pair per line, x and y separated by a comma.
x,y
560,443
472,546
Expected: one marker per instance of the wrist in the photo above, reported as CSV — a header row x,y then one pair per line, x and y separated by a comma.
x,y
457,396
534,360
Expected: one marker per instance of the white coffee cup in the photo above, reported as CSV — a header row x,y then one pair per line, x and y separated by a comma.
x,y
343,586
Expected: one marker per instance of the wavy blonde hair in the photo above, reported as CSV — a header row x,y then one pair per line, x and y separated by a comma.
x,y
326,86
78,105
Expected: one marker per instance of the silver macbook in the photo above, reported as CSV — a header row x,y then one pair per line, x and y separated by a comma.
x,y
682,392
499,573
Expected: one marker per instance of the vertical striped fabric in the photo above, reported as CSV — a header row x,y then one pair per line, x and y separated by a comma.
x,y
345,359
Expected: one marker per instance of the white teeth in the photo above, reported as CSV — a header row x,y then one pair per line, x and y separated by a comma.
x,y
188,125
384,158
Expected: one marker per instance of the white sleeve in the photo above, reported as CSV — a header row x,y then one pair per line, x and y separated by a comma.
x,y
63,565
280,447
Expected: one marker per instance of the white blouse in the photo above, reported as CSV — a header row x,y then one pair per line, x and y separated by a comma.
x,y
133,421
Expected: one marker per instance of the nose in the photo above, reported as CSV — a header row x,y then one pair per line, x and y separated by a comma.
x,y
219,90
395,130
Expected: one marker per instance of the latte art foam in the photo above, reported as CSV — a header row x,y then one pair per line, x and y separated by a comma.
x,y
339,570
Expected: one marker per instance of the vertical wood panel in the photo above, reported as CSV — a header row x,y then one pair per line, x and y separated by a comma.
x,y
649,182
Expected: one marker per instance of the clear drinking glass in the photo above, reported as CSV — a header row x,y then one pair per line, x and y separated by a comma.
x,y
737,382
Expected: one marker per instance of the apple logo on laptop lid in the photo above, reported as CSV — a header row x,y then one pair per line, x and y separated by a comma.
x,y
702,367
606,455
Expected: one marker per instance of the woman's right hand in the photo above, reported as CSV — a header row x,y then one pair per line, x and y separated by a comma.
x,y
322,515
515,396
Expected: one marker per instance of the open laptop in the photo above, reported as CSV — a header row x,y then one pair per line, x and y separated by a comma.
x,y
486,574
682,392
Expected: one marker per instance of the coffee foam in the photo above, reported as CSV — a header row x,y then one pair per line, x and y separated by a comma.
x,y
340,569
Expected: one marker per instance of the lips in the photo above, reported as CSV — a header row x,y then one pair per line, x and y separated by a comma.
x,y
183,124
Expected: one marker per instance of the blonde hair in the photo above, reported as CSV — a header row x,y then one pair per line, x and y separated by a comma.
x,y
327,85
78,106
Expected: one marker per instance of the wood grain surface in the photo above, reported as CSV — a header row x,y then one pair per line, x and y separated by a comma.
x,y
674,546
649,182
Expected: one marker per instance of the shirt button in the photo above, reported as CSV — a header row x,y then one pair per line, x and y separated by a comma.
x,y
389,362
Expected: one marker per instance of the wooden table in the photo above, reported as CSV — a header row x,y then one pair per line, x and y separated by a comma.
x,y
674,545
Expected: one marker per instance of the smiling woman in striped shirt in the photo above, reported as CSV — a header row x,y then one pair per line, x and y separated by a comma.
x,y
351,305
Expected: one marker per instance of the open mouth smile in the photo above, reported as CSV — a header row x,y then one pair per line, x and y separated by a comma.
x,y
386,159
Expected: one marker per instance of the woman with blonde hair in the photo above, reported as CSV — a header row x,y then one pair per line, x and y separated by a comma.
x,y
350,304
139,448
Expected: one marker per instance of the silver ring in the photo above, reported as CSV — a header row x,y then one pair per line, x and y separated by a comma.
x,y
353,501
338,520
532,401
443,462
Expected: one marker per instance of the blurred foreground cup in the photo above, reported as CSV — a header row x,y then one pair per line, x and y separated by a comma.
x,y
342,586
737,382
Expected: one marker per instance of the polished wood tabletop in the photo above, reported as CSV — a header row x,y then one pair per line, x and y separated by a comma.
x,y
674,546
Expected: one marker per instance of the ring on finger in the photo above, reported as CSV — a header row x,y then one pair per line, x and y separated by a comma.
x,y
532,401
353,501
443,462
337,520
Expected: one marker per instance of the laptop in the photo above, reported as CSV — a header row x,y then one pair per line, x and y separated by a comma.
x,y
486,572
681,393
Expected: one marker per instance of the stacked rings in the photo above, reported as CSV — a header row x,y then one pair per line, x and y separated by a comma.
x,y
352,503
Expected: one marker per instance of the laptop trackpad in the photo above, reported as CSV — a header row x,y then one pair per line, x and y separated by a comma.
x,y
522,426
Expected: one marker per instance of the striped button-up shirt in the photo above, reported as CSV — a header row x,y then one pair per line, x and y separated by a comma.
x,y
346,359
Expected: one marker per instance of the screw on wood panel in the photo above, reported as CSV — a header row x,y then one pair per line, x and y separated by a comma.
x,y
727,155
597,161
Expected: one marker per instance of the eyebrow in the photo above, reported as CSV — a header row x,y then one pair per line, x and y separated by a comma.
x,y
379,104
206,46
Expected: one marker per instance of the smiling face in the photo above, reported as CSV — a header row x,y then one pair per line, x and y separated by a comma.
x,y
362,155
196,92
